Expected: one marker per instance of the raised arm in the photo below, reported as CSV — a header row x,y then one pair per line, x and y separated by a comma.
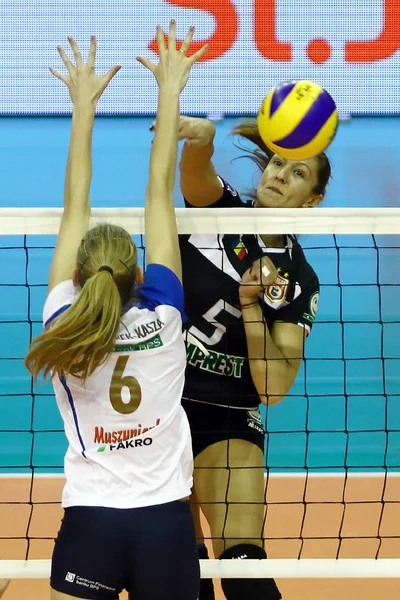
x,y
171,73
85,89
199,182
274,356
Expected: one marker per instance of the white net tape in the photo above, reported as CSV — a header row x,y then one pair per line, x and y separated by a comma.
x,y
305,568
42,221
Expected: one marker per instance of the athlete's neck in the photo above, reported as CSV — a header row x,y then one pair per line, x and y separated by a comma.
x,y
274,241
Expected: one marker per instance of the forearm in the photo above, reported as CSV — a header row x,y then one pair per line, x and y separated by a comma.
x,y
270,369
199,182
196,157
79,165
163,156
160,218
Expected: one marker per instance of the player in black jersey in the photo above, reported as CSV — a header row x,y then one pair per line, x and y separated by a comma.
x,y
251,302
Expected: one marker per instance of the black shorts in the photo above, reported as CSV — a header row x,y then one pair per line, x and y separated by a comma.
x,y
210,424
151,552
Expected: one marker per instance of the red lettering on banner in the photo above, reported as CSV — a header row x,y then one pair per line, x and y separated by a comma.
x,y
265,19
265,32
385,44
226,26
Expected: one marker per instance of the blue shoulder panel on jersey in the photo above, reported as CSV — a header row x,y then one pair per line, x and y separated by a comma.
x,y
161,286
57,314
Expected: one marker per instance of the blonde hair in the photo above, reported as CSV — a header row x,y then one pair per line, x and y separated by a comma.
x,y
81,338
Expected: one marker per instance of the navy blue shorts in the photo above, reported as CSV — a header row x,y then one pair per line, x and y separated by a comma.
x,y
210,423
151,552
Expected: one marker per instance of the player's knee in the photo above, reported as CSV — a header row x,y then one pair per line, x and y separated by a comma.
x,y
256,589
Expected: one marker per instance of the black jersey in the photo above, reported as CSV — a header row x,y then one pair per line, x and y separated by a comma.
x,y
213,266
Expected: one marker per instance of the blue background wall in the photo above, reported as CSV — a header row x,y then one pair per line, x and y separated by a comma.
x,y
343,410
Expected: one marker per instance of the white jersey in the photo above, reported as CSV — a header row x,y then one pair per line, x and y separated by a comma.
x,y
129,437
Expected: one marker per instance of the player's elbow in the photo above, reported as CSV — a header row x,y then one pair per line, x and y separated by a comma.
x,y
270,398
270,392
272,387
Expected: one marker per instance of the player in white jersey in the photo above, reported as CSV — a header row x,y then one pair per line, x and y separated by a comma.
x,y
117,366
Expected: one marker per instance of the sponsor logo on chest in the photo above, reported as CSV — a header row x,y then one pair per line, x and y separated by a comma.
x,y
215,362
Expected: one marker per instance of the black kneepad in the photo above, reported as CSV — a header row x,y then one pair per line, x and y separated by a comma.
x,y
246,589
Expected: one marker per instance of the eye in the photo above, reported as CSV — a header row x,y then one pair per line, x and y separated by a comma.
x,y
299,173
277,162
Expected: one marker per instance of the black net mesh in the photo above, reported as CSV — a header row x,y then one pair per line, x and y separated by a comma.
x,y
332,448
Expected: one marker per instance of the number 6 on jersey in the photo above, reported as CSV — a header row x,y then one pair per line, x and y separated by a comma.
x,y
118,382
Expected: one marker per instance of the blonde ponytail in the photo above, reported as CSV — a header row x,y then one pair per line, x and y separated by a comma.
x,y
82,337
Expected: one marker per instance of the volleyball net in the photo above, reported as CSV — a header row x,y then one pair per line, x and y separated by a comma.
x,y
332,447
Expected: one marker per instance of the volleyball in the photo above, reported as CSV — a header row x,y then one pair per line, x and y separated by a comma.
x,y
298,119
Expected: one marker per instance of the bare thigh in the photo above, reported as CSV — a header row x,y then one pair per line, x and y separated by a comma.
x,y
229,487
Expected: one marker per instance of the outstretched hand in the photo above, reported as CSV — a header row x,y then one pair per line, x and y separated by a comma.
x,y
174,66
83,84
